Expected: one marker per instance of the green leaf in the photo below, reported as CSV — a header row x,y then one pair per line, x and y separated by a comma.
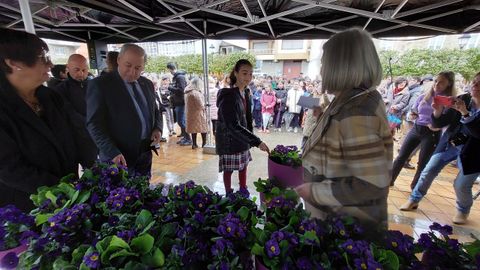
x,y
118,242
121,253
42,218
257,250
61,264
142,244
83,197
49,195
243,213
83,266
78,253
156,259
472,248
132,265
143,219
393,263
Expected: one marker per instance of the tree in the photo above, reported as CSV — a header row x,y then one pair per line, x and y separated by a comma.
x,y
420,62
218,64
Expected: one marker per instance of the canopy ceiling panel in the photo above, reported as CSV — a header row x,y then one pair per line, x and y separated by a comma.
x,y
119,21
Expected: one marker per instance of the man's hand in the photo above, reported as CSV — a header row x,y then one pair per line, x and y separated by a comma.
x,y
156,136
120,160
264,147
304,191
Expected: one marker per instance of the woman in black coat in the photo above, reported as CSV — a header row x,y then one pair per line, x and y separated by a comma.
x,y
234,135
40,142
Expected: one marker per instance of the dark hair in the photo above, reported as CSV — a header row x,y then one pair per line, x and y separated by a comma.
x,y
416,78
171,66
236,68
112,60
57,69
19,46
400,80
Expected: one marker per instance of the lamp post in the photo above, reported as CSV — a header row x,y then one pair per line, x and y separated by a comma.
x,y
463,40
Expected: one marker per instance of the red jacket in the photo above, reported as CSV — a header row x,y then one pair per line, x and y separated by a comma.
x,y
268,102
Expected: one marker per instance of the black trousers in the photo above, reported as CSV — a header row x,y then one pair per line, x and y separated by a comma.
x,y
418,135
143,165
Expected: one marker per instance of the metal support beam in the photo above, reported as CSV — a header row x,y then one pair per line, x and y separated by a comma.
x,y
154,35
137,10
213,11
38,18
20,20
376,11
208,148
399,7
308,26
117,34
245,6
473,26
60,32
62,22
26,16
418,21
265,15
181,18
190,11
426,8
373,15
234,27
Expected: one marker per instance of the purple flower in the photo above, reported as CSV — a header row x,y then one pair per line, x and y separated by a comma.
x,y
444,230
94,199
454,244
339,228
178,250
199,217
272,248
281,202
220,246
399,243
425,240
224,266
356,247
244,192
304,263
27,235
92,260
68,221
10,261
120,197
232,227
127,235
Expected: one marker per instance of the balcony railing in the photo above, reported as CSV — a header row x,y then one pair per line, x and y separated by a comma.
x,y
262,51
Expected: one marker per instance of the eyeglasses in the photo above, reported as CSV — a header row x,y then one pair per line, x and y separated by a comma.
x,y
45,58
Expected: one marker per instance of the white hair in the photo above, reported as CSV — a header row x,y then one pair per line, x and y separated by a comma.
x,y
349,61
197,84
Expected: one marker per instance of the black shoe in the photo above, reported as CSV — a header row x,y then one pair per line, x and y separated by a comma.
x,y
181,135
408,166
194,146
163,139
181,141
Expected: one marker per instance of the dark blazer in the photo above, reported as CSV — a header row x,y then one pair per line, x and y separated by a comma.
x,y
471,149
74,92
177,88
112,119
35,151
234,126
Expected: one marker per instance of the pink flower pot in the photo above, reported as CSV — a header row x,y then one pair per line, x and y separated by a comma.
x,y
18,250
287,176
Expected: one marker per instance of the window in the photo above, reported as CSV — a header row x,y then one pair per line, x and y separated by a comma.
x,y
260,45
226,50
59,51
292,44
436,43
473,42
176,48
151,48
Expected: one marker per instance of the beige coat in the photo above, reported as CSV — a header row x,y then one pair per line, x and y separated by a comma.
x,y
195,118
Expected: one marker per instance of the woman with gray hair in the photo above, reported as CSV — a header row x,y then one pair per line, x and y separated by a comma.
x,y
196,121
347,159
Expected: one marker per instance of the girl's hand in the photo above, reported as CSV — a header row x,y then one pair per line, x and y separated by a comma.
x,y
460,106
304,191
264,147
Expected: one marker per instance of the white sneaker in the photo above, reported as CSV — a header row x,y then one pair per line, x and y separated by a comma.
x,y
295,130
289,129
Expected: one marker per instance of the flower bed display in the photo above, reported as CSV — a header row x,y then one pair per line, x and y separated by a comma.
x,y
108,220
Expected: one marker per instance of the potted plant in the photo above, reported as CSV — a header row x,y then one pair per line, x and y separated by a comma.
x,y
285,165
15,232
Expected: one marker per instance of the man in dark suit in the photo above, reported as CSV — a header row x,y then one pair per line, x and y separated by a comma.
x,y
121,113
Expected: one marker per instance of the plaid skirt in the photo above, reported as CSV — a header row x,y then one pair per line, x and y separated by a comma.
x,y
234,162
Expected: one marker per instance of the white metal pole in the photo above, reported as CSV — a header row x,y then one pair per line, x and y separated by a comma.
x,y
26,16
209,147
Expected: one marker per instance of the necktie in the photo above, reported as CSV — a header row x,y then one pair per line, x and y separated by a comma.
x,y
141,103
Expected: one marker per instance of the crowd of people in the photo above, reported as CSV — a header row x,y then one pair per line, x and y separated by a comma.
x,y
347,146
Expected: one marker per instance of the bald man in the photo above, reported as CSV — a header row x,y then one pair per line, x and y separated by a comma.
x,y
74,90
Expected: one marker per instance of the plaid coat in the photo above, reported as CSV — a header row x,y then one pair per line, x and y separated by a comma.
x,y
348,158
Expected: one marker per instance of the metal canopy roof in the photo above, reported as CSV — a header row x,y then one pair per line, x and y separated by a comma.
x,y
119,21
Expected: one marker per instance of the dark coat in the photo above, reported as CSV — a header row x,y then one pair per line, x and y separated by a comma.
x,y
36,151
471,149
113,121
281,94
74,92
177,88
234,126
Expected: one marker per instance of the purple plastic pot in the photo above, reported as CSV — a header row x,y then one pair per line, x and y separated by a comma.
x,y
287,176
